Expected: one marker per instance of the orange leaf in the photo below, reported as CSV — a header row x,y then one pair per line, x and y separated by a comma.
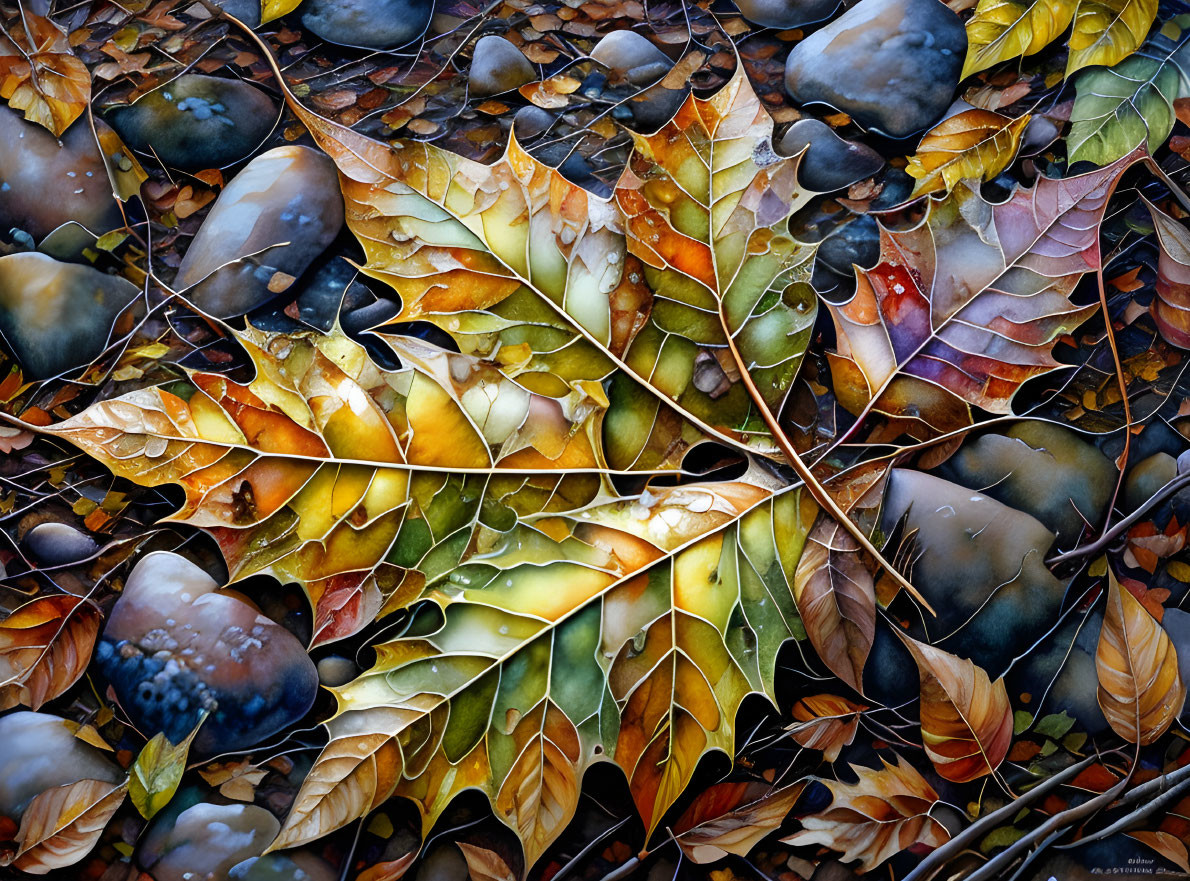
x,y
40,75
732,818
826,722
61,825
1140,688
966,719
45,646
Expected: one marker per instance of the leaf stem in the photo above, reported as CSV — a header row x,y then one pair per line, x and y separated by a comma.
x,y
815,487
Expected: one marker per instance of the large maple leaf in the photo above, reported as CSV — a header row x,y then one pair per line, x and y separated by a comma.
x,y
970,302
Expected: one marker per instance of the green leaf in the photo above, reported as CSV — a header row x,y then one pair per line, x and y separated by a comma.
x,y
1021,720
1118,108
1001,837
158,770
1055,725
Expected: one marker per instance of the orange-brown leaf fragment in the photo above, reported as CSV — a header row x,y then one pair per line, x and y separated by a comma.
x,y
885,812
975,144
1141,690
40,75
45,646
61,825
825,722
1171,306
966,719
732,818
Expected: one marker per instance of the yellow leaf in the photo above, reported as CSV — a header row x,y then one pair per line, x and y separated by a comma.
x,y
974,144
1108,31
1140,688
273,9
1004,29
156,773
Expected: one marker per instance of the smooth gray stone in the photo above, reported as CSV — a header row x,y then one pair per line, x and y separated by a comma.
x,y
57,544
830,163
979,563
289,866
531,121
498,66
205,841
656,106
335,670
622,51
893,65
39,751
1040,468
1146,477
56,316
195,122
46,182
367,24
277,215
786,13
855,243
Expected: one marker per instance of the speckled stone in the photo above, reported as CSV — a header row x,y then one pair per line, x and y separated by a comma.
x,y
205,841
196,121
893,65
175,646
46,182
56,316
285,195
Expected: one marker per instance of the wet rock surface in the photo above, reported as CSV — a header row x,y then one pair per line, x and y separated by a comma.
x,y
195,122
979,563
335,670
284,867
46,182
1040,468
56,316
205,841
893,65
786,13
57,544
498,66
174,647
277,215
622,52
247,11
38,752
369,24
830,162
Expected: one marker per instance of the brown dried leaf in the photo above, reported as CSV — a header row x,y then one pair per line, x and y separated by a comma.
x,y
45,646
966,719
40,75
1140,688
62,824
732,818
484,864
825,722
1171,306
836,600
1169,846
885,812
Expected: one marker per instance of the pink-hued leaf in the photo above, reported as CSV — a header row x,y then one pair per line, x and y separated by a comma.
x,y
1171,306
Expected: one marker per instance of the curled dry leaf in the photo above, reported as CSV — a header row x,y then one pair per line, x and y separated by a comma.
x,y
45,647
836,600
972,145
884,813
1141,690
971,301
390,870
40,75
61,825
966,719
1168,845
732,818
1171,306
825,722
484,864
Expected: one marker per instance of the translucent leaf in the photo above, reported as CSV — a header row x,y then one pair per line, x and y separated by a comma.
x,y
61,825
45,647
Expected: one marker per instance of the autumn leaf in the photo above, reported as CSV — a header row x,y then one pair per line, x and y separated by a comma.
x,y
975,144
1104,31
45,647
61,825
1168,845
156,773
872,820
484,864
40,75
966,719
274,9
732,818
1171,306
836,600
971,301
825,722
1141,690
